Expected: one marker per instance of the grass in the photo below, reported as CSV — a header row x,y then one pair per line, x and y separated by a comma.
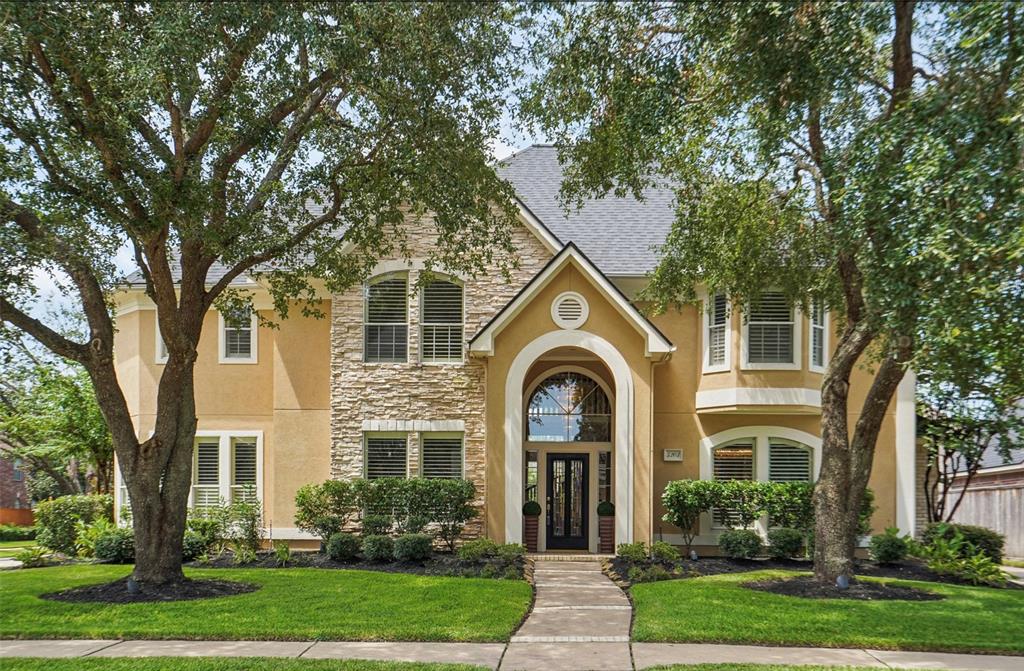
x,y
219,664
716,609
11,548
292,604
1016,563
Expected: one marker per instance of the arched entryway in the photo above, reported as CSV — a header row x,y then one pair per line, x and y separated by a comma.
x,y
620,427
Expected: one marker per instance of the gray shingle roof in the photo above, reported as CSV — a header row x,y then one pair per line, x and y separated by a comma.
x,y
619,235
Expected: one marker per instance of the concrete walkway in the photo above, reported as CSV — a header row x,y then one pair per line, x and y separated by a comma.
x,y
580,622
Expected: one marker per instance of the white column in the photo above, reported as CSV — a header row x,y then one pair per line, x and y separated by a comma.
x,y
906,449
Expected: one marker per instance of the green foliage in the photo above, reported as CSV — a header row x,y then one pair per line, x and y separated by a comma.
x,y
605,509
412,524
954,556
193,546
242,554
453,508
981,539
56,520
209,529
343,546
635,552
244,525
740,543
785,543
888,548
14,532
531,509
413,547
511,552
378,548
376,525
662,551
477,550
325,509
282,554
33,557
653,573
685,500
790,505
117,546
86,534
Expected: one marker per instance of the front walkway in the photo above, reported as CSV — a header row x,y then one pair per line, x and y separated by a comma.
x,y
580,622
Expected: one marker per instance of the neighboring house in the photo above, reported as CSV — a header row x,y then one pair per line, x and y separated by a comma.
x,y
995,498
15,501
553,385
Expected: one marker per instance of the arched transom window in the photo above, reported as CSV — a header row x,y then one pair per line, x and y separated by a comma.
x,y
569,407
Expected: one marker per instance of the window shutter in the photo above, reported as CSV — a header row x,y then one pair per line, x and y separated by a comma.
x,y
442,458
243,476
789,463
717,330
238,335
770,330
206,492
386,330
731,462
386,458
441,324
817,334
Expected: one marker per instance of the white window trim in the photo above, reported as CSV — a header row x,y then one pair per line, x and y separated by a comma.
x,y
442,434
798,321
253,341
224,460
419,327
825,327
705,337
385,434
159,352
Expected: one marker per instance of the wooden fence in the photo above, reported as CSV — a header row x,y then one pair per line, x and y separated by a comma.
x,y
1001,509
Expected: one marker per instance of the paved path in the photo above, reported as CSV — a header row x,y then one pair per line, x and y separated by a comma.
x,y
580,622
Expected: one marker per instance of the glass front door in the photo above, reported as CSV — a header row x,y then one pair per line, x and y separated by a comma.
x,y
567,504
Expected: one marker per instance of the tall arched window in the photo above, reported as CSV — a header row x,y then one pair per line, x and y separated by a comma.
x,y
386,320
441,322
569,407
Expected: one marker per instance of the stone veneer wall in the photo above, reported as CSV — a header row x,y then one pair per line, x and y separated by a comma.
x,y
412,390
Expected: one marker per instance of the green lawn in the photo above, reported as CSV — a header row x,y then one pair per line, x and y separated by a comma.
x,y
219,664
293,604
11,548
1016,563
717,609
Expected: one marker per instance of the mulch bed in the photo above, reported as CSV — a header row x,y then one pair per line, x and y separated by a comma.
x,y
441,564
185,590
806,587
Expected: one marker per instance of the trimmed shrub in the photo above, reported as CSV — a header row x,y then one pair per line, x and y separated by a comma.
x,y
511,552
210,529
605,509
325,509
452,508
412,524
56,519
478,550
117,545
193,546
376,525
342,546
87,533
985,540
531,509
785,543
413,547
655,573
888,548
663,551
632,551
685,500
790,505
378,548
13,532
740,543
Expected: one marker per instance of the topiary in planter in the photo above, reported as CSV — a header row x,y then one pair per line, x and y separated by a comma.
x,y
740,543
413,547
785,543
531,509
343,546
605,509
378,548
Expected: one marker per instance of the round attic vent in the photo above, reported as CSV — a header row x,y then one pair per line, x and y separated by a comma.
x,y
570,310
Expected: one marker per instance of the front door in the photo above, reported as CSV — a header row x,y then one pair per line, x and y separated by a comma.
x,y
567,505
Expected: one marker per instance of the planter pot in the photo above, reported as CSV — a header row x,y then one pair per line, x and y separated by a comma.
x,y
530,526
606,532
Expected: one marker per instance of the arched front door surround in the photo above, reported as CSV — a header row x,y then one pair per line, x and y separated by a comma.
x,y
622,438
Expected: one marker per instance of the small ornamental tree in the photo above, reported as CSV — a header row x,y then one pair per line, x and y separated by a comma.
x,y
684,501
325,509
219,141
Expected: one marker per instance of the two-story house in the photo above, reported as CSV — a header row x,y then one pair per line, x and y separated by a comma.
x,y
553,385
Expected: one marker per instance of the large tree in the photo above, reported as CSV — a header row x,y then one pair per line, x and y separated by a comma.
x,y
868,155
284,141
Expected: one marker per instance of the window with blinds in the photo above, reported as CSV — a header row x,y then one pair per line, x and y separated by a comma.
x,y
818,334
770,329
441,457
731,462
238,335
441,322
206,490
385,323
243,470
718,330
789,463
386,457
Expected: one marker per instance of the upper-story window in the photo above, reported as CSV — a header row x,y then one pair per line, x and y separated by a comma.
x,y
441,322
386,320
819,336
771,334
238,337
569,407
716,320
